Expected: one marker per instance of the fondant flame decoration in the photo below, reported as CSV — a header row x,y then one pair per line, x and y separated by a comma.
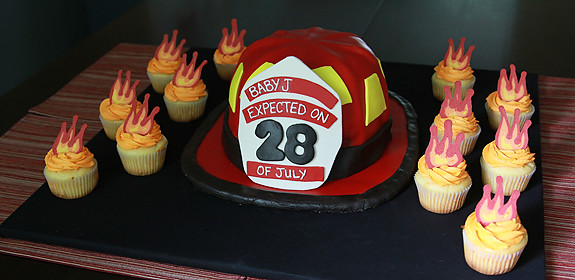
x,y
138,121
123,93
511,137
232,43
493,210
453,105
444,152
186,75
511,89
67,141
457,59
168,50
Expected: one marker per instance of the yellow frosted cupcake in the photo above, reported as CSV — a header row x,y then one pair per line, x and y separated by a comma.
x,y
441,179
229,51
186,95
454,67
115,109
460,112
165,62
511,94
493,236
508,156
141,145
71,169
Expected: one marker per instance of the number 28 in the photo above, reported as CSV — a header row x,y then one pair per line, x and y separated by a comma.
x,y
269,150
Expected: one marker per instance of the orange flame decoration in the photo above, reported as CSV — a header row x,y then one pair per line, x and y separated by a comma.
x,y
186,75
511,137
456,59
232,43
511,89
444,152
138,121
453,105
168,50
66,141
493,210
123,93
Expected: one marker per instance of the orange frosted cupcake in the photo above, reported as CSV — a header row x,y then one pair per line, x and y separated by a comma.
x,y
511,94
165,62
508,156
441,179
454,67
493,236
186,95
460,112
115,109
229,51
141,145
71,169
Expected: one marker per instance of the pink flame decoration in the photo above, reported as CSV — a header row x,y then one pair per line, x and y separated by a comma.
x,y
444,152
186,75
138,121
168,50
457,59
232,43
493,210
123,93
453,105
511,89
66,141
511,137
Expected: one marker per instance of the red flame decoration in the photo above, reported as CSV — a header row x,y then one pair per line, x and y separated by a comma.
x,y
186,75
453,105
66,141
168,50
444,152
511,89
458,60
123,93
511,137
232,43
493,210
138,121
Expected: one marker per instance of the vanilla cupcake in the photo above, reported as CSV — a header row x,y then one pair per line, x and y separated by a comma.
x,y
229,51
141,145
511,94
460,112
441,179
454,67
186,95
71,169
165,62
493,236
509,156
115,109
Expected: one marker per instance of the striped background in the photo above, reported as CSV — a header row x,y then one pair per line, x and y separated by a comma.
x,y
23,147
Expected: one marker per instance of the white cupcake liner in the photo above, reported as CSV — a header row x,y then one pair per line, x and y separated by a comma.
x,y
138,164
74,186
160,81
111,126
441,202
181,111
488,263
438,85
225,71
510,182
494,117
468,143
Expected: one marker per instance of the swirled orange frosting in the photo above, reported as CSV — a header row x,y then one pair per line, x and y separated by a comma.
x,y
495,236
221,58
448,73
507,158
115,111
186,94
163,66
69,160
444,175
131,141
493,101
460,124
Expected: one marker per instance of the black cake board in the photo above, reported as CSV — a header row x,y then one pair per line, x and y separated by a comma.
x,y
163,217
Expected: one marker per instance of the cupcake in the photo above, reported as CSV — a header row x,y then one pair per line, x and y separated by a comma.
x,y
493,237
71,169
141,145
165,62
460,112
508,156
441,179
229,51
115,109
511,94
454,67
186,95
